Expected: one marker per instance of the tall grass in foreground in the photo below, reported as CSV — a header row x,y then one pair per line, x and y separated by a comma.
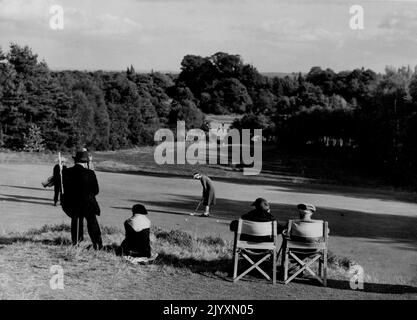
x,y
26,258
177,249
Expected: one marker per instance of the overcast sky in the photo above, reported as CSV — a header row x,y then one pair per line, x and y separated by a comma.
x,y
273,35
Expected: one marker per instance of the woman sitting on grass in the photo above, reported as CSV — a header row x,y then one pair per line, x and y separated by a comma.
x,y
137,243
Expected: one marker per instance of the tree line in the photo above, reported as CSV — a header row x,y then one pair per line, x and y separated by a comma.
x,y
369,116
99,110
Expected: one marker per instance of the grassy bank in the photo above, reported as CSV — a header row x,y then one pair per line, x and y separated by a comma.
x,y
27,257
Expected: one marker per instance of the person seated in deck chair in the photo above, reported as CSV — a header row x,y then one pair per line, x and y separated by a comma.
x,y
306,229
137,243
261,213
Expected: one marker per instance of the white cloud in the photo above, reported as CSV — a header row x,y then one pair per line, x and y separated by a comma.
x,y
400,22
99,25
110,24
24,9
283,35
290,30
31,16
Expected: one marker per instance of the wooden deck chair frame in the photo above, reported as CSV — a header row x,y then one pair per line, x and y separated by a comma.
x,y
243,248
290,248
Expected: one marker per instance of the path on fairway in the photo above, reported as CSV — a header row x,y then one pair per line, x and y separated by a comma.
x,y
379,233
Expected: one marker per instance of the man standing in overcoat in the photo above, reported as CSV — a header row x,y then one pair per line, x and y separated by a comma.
x,y
79,199
58,168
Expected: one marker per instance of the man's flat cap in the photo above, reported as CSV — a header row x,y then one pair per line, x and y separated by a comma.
x,y
306,207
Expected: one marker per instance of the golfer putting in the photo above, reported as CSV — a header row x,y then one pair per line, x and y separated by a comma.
x,y
208,197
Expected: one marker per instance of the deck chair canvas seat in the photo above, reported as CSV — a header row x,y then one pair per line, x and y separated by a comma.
x,y
262,251
306,244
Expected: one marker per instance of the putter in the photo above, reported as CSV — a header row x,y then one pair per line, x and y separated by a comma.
x,y
196,209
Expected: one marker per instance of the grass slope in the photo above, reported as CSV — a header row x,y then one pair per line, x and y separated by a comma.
x,y
188,267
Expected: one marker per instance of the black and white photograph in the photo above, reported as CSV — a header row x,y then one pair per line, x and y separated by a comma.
x,y
236,151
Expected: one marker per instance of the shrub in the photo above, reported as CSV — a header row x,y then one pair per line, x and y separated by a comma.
x,y
33,141
175,237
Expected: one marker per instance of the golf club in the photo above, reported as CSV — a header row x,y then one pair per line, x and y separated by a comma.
x,y
196,209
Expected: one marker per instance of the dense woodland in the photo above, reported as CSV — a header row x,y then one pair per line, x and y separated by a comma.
x,y
360,114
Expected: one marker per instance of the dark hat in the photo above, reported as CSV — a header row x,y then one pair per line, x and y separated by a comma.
x,y
81,156
139,209
306,207
258,202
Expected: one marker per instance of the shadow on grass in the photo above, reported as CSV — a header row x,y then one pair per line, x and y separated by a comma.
x,y
374,287
367,287
379,228
220,267
224,208
151,210
27,188
122,208
25,199
287,184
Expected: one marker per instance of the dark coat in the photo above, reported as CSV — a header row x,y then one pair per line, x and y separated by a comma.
x,y
80,189
136,244
57,182
57,176
209,196
256,215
